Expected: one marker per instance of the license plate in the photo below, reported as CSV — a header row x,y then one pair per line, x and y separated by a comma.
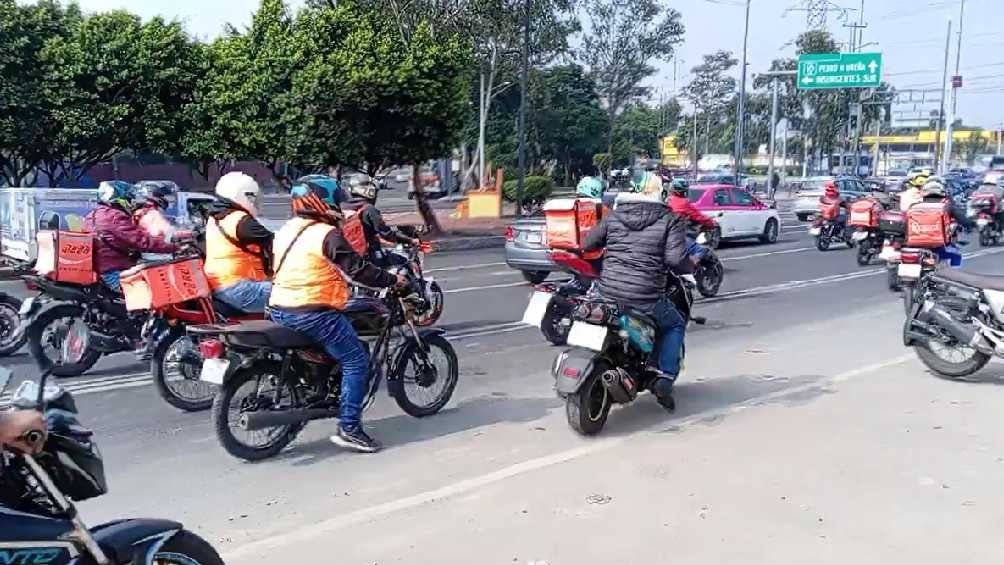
x,y
534,313
532,237
815,231
860,236
214,371
810,217
26,306
909,271
588,336
983,222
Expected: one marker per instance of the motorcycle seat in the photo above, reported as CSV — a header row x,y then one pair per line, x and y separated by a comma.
x,y
976,280
644,317
265,333
226,310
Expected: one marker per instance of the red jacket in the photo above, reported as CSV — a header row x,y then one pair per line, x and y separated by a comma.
x,y
681,206
120,241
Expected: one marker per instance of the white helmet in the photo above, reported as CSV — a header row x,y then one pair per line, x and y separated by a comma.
x,y
241,189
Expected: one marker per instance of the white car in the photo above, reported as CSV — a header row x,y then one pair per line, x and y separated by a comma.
x,y
739,214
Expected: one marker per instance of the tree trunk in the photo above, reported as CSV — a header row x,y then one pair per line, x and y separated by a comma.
x,y
424,210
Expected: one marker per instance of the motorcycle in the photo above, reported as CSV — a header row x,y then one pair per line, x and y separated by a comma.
x,y
709,272
827,232
608,361
892,223
551,305
10,339
273,380
982,209
915,265
47,317
955,321
412,259
45,526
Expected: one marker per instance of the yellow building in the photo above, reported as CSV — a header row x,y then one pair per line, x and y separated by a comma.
x,y
673,156
922,140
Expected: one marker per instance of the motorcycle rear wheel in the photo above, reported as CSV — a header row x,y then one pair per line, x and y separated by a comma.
x,y
587,408
822,242
969,363
202,397
892,278
38,340
864,256
227,402
446,376
10,319
187,548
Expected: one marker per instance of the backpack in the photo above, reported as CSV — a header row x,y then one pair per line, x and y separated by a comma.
x,y
353,231
928,225
865,213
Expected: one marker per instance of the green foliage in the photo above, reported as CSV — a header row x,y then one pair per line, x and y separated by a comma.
x,y
971,147
602,161
535,190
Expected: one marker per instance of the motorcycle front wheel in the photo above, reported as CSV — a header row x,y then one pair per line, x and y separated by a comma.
x,y
10,320
436,300
45,341
259,387
710,275
822,242
176,367
425,376
587,408
186,548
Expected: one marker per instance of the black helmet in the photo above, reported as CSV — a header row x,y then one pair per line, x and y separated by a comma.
x,y
156,192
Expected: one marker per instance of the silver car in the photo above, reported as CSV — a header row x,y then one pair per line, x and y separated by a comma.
x,y
526,249
807,196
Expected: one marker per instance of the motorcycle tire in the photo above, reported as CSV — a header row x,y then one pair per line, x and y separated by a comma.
x,y
714,239
986,240
587,408
10,319
185,548
158,369
556,332
950,369
864,256
892,279
710,275
225,396
34,337
404,358
822,243
908,293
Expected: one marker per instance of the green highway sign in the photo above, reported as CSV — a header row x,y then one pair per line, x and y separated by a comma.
x,y
839,70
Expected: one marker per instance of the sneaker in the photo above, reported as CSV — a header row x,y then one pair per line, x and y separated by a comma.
x,y
663,390
356,440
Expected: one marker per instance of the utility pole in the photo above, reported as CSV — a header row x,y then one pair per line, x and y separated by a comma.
x,y
521,159
784,153
956,84
694,144
941,111
742,100
773,134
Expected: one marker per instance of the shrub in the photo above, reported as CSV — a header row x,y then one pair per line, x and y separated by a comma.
x,y
535,191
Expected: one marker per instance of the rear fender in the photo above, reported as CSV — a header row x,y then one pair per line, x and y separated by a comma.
x,y
570,369
134,541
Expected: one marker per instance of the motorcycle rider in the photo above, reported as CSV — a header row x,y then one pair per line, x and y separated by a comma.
x,y
119,240
831,195
590,187
679,203
149,216
912,193
314,267
374,226
238,261
997,191
643,239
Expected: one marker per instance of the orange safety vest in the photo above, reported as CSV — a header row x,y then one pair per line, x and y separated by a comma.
x,y
226,262
304,276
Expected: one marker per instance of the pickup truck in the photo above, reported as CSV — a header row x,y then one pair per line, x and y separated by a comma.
x,y
23,211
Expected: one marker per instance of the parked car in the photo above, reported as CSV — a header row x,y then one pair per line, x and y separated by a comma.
x,y
722,178
526,249
807,196
739,214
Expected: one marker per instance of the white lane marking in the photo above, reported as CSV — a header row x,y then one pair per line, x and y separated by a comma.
x,y
307,533
768,254
517,328
485,287
98,384
465,267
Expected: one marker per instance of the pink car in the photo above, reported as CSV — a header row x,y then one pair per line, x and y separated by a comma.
x,y
739,214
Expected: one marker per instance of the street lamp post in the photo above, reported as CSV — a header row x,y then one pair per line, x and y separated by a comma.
x,y
742,99
521,164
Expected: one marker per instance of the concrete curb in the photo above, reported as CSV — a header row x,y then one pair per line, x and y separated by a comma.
x,y
466,243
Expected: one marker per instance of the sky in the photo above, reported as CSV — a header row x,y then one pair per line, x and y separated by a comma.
x,y
910,34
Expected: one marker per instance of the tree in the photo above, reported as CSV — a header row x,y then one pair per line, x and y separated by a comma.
x,y
116,83
712,93
26,119
637,132
622,40
972,146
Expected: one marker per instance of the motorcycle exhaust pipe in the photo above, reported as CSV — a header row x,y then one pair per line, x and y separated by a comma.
x,y
253,421
621,387
964,333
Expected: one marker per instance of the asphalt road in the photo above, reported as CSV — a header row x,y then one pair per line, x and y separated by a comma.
x,y
805,432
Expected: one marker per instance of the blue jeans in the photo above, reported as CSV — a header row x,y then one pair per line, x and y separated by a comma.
x,y
246,296
672,329
333,330
112,280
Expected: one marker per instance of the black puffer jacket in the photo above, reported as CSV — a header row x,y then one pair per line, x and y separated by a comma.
x,y
644,240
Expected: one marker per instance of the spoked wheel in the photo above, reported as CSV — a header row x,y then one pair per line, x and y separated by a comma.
x,y
254,389
425,376
176,367
556,322
587,409
186,548
10,320
45,341
710,276
950,360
